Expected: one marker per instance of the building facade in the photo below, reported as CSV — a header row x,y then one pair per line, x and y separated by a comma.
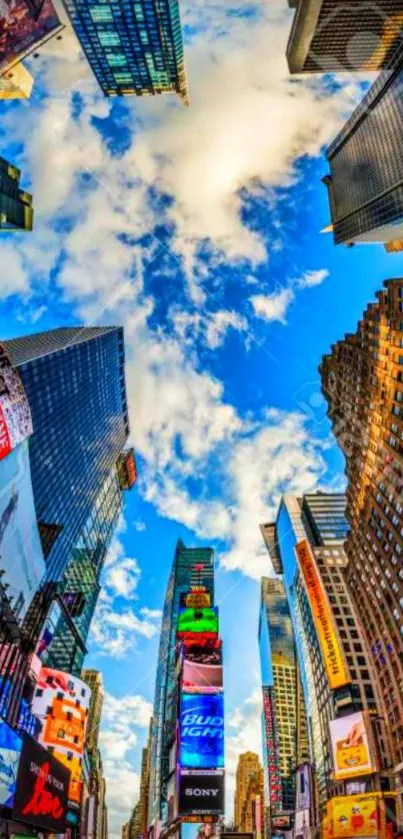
x,y
252,819
363,383
132,48
248,769
16,211
339,681
191,566
285,737
93,813
364,184
330,36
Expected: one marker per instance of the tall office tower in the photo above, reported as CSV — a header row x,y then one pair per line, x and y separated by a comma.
x,y
252,810
94,811
75,383
133,48
93,678
362,381
365,195
248,768
285,736
191,566
145,786
16,212
337,670
331,36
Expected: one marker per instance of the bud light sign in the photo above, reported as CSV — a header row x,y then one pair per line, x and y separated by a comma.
x,y
202,731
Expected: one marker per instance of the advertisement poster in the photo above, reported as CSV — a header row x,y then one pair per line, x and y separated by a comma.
x,y
202,671
61,702
201,793
202,731
303,783
350,746
203,620
41,789
197,830
351,816
322,617
197,598
10,751
21,31
15,414
126,469
21,557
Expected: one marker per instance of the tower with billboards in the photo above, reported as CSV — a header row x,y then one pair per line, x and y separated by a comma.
x,y
187,740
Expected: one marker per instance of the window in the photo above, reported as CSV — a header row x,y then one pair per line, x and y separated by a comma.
x,y
100,14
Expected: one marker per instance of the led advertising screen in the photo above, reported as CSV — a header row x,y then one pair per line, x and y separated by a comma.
x,y
202,731
322,617
126,469
201,640
15,414
199,830
197,598
21,30
21,557
350,746
351,816
41,789
61,702
198,620
202,671
201,793
10,751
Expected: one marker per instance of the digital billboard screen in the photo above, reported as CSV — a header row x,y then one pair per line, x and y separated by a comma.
x,y
15,414
197,598
62,701
203,620
350,746
10,751
41,789
202,671
127,469
202,731
352,816
200,830
22,30
21,556
201,793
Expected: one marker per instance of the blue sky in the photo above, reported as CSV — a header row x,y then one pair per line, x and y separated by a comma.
x,y
198,229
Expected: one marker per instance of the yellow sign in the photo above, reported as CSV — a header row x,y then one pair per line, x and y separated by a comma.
x,y
334,663
351,816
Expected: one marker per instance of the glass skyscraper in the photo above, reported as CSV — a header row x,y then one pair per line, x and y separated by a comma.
x,y
365,184
132,47
16,212
191,566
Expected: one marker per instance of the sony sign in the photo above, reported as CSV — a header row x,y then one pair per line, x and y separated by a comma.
x,y
201,793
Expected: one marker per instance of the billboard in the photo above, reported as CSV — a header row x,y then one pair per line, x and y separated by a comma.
x,y
205,640
22,30
15,414
350,746
41,789
352,816
203,620
201,793
61,702
21,557
202,731
202,670
126,469
322,617
197,598
199,830
10,751
303,799
271,747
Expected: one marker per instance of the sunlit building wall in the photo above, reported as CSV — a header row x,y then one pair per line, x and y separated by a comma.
x,y
16,211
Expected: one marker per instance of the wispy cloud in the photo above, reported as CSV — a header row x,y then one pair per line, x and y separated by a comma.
x,y
272,307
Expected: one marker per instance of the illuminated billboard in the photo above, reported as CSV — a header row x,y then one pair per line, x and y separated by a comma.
x,y
203,620
271,747
22,30
202,731
62,701
15,414
21,557
202,670
201,793
199,830
41,789
198,598
352,816
10,751
350,746
322,617
126,469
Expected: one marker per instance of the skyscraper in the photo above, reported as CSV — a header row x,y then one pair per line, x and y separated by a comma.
x,y
191,566
364,185
337,672
248,769
93,812
362,380
16,212
285,739
132,47
331,36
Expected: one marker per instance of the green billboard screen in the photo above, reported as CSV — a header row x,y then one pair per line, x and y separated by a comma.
x,y
198,620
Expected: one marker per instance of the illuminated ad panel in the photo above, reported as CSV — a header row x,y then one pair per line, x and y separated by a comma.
x,y
126,469
201,793
202,731
203,620
198,598
10,750
21,30
325,629
352,816
272,749
198,830
350,746
15,413
61,702
202,670
41,788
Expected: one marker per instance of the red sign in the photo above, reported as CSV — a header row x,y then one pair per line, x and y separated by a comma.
x,y
5,442
42,789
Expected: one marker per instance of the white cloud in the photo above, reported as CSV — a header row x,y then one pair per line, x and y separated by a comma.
x,y
140,525
312,278
218,325
14,277
273,306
